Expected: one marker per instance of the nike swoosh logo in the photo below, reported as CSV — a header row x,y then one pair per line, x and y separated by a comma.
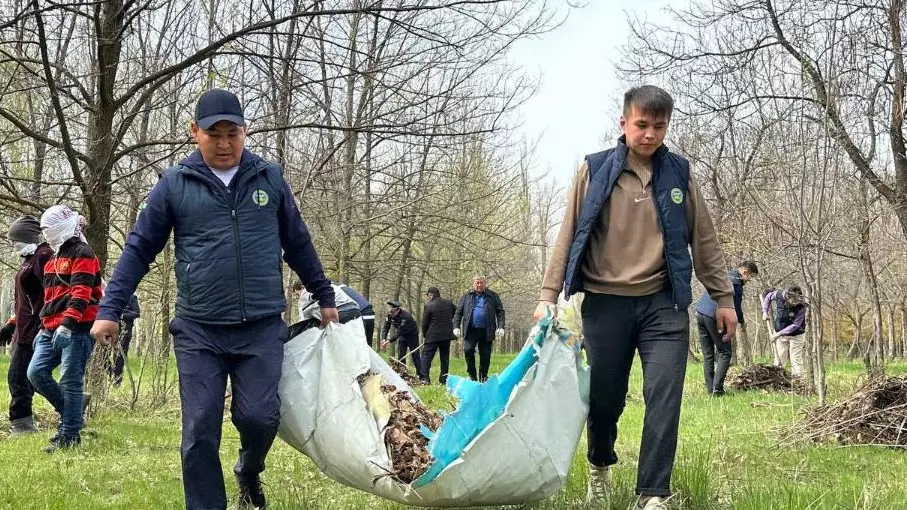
x,y
638,200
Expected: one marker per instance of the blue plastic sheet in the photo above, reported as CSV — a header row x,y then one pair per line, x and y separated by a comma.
x,y
480,404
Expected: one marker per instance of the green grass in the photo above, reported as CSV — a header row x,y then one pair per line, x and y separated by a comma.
x,y
728,459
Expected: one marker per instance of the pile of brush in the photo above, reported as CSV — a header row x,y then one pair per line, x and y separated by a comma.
x,y
760,377
874,415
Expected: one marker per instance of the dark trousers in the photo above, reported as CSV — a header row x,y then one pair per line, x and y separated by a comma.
x,y
716,354
428,354
369,330
615,327
477,338
252,355
118,360
410,345
21,391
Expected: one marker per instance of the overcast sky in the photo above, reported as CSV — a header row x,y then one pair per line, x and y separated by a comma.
x,y
577,102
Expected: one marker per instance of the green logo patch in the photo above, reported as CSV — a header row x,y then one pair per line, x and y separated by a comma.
x,y
260,197
677,195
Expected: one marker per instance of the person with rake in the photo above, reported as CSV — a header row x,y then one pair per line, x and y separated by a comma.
x,y
789,326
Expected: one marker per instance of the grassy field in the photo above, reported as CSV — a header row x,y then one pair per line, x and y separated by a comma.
x,y
728,459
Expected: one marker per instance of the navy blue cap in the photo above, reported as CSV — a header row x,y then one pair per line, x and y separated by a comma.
x,y
393,303
216,105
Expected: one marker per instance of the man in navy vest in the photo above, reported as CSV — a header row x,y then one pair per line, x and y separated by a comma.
x,y
232,214
789,326
716,351
635,226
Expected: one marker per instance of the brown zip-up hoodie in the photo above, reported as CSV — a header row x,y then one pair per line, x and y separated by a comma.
x,y
625,255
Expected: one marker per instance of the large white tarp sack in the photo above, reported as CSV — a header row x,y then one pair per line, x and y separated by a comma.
x,y
511,440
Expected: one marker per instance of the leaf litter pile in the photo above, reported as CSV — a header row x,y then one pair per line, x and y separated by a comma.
x,y
767,377
403,371
406,445
874,415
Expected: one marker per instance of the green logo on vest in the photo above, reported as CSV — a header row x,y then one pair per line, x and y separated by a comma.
x,y
677,195
260,197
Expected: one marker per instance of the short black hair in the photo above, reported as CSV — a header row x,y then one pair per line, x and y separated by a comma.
x,y
649,99
750,266
795,290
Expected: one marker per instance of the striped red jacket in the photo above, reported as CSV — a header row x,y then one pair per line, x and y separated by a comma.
x,y
72,287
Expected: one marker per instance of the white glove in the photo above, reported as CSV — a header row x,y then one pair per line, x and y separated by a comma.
x,y
457,332
499,333
542,309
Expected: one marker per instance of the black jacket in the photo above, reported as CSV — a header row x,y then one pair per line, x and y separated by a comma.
x,y
405,325
437,321
494,311
29,296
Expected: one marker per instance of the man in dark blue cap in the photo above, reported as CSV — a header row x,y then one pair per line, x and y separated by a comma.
x,y
232,214
406,335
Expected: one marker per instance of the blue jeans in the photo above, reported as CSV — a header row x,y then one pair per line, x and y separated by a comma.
x,y
66,397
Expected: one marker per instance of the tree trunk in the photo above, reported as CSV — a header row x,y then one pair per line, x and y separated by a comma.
x,y
834,335
903,339
855,346
744,347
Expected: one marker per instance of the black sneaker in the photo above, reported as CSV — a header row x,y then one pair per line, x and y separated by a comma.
x,y
251,496
62,444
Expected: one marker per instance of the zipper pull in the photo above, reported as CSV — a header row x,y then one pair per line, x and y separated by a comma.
x,y
233,213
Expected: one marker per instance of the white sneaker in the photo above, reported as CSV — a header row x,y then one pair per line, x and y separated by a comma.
x,y
599,487
653,503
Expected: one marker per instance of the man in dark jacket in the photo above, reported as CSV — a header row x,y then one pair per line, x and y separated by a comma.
x,y
480,316
437,332
231,214
406,335
127,323
713,343
25,236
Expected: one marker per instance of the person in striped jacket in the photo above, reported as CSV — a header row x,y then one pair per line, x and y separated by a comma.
x,y
72,290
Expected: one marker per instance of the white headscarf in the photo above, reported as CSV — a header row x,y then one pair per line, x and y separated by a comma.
x,y
60,224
